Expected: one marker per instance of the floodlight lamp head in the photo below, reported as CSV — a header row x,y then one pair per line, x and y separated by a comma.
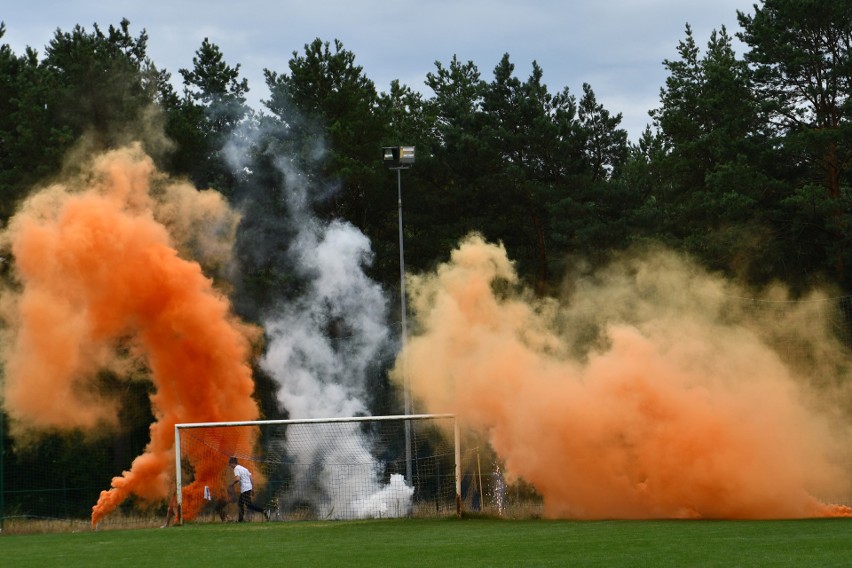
x,y
395,157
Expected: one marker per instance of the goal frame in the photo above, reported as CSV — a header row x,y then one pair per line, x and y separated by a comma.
x,y
395,417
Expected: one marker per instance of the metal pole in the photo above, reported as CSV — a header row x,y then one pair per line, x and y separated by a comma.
x,y
178,480
457,457
403,333
2,451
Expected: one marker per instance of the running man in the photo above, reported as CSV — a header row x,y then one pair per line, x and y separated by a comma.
x,y
243,476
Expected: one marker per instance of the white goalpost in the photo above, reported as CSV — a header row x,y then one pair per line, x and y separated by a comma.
x,y
323,468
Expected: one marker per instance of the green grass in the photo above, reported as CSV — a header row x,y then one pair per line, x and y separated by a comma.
x,y
446,542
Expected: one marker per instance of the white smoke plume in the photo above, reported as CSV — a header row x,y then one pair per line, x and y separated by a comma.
x,y
322,347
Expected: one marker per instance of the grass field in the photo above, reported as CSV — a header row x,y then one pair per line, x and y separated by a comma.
x,y
445,542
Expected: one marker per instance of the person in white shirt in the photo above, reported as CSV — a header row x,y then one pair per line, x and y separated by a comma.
x,y
243,476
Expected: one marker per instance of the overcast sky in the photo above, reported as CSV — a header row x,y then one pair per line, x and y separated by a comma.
x,y
617,46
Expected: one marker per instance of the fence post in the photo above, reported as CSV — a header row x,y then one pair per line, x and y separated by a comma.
x,y
2,469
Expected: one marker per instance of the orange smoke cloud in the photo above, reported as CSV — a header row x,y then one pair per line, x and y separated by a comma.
x,y
649,395
102,286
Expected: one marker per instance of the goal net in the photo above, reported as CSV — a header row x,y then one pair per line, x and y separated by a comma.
x,y
336,468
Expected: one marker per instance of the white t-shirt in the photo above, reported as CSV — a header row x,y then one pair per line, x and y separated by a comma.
x,y
244,476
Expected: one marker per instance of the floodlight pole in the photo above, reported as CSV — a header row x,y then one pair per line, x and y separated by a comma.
x,y
404,332
399,158
402,282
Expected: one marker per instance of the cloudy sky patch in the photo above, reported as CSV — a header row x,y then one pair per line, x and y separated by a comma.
x,y
618,46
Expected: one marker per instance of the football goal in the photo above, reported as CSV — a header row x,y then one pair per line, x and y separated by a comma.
x,y
331,468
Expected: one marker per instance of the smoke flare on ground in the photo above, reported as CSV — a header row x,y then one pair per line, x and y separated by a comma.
x,y
654,392
101,286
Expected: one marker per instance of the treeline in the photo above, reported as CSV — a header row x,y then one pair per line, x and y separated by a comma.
x,y
745,165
